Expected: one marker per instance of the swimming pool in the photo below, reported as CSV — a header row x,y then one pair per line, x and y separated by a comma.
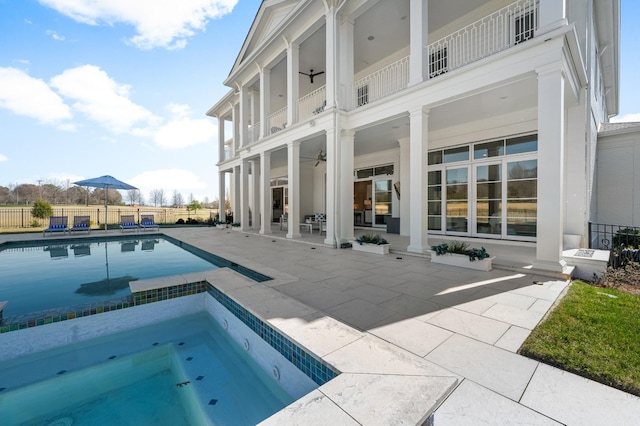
x,y
38,276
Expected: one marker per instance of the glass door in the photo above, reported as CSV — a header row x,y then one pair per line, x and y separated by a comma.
x,y
382,202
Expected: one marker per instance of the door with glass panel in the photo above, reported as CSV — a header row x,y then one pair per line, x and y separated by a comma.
x,y
382,202
457,200
488,203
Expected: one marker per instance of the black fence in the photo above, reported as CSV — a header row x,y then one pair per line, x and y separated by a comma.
x,y
20,217
609,237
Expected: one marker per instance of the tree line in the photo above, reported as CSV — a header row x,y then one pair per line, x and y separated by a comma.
x,y
57,193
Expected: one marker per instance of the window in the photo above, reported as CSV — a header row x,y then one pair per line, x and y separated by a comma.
x,y
438,62
374,171
457,199
434,205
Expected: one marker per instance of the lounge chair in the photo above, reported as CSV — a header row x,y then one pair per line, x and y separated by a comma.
x,y
56,224
128,222
81,223
147,222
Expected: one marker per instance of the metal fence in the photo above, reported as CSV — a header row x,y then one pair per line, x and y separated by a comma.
x,y
21,217
607,237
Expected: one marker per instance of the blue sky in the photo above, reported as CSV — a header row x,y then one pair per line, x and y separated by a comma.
x,y
94,87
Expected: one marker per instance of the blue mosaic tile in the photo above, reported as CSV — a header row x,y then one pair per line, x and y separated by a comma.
x,y
314,368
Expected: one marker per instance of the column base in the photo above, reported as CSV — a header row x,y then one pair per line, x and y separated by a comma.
x,y
291,236
550,266
418,250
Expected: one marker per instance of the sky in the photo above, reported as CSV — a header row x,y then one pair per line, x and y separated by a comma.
x,y
121,87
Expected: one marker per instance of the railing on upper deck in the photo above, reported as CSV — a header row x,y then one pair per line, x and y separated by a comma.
x,y
384,82
253,133
498,31
277,121
312,103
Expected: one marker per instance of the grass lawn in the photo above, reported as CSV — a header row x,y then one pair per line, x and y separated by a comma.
x,y
595,333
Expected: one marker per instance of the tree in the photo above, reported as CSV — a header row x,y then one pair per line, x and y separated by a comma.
x,y
157,197
132,196
5,195
41,209
177,200
194,206
26,193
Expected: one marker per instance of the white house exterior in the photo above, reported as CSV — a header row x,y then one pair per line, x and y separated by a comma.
x,y
483,114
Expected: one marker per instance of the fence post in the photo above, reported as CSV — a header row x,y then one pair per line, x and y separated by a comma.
x,y
22,217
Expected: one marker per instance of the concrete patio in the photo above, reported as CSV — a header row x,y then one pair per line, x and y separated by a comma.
x,y
466,324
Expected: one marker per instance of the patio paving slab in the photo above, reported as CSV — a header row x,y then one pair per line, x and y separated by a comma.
x,y
513,339
473,405
496,369
360,313
521,317
574,400
413,335
475,326
313,409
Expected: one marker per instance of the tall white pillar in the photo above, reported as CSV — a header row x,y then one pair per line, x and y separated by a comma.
x,y
346,65
551,15
235,118
551,149
220,138
405,186
293,82
255,202
265,101
243,215
255,116
235,194
222,197
332,194
418,39
265,192
345,186
418,148
244,115
331,50
293,163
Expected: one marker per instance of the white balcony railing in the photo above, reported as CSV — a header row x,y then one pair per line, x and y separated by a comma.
x,y
384,82
502,29
277,121
253,133
312,103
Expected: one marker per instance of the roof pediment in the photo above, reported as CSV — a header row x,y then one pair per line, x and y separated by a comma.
x,y
268,19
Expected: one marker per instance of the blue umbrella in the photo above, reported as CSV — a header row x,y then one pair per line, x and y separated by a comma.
x,y
105,182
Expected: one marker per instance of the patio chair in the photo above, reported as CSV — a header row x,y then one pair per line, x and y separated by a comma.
x,y
56,224
81,223
128,222
284,220
147,222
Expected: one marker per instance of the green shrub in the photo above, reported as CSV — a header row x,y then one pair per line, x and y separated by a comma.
x,y
371,239
41,209
460,247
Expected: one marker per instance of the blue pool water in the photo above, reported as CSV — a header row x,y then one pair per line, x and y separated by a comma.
x,y
178,372
40,277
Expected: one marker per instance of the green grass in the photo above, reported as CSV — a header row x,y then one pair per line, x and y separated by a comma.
x,y
592,334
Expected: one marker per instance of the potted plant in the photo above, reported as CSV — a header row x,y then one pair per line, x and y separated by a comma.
x,y
371,243
235,226
458,253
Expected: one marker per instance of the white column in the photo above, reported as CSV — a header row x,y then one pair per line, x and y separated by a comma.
x,y
330,56
418,147
220,138
265,192
346,65
255,116
551,134
293,163
293,82
255,202
265,99
332,210
244,115
405,186
551,15
235,194
235,118
418,39
243,215
345,186
222,197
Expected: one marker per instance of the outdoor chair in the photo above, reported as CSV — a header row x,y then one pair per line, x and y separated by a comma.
x,y
56,224
284,220
127,222
147,222
81,223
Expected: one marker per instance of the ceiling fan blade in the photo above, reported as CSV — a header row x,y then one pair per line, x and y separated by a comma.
x,y
317,162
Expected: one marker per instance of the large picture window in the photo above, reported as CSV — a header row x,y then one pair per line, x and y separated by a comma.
x,y
487,189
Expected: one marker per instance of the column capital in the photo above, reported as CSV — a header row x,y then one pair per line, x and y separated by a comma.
x,y
347,133
419,110
551,68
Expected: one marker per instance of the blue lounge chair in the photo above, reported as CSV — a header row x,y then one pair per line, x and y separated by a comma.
x,y
128,222
147,222
81,223
56,224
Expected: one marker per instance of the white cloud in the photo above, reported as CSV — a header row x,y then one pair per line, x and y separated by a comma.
x,y
626,118
3,158
32,97
22,61
182,131
54,35
102,99
158,23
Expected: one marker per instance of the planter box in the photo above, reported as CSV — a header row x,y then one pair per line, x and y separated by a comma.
x,y
462,261
221,226
235,228
370,248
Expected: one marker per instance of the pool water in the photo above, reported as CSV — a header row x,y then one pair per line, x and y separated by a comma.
x,y
37,278
181,372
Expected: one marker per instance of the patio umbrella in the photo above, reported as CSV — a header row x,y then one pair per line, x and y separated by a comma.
x,y
105,182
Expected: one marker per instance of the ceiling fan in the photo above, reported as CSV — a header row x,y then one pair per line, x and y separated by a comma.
x,y
311,74
321,157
